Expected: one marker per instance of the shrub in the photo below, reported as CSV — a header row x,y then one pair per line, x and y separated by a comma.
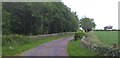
x,y
79,34
15,40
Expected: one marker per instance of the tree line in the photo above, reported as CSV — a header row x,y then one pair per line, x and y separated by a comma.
x,y
37,18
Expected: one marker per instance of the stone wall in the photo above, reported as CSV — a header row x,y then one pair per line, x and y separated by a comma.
x,y
53,35
100,51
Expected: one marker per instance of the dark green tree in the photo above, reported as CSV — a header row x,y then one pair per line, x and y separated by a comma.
x,y
38,18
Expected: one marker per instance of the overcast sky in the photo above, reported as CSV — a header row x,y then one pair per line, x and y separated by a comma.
x,y
104,12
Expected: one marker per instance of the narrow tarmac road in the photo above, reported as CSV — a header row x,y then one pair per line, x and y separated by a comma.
x,y
53,48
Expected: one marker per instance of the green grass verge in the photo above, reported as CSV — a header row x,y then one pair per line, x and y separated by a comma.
x,y
6,51
107,37
75,49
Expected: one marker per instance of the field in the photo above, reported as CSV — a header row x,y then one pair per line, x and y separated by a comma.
x,y
108,38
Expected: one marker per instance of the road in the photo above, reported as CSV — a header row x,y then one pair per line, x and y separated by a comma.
x,y
53,48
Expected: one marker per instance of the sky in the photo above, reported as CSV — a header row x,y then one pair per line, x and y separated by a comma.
x,y
104,12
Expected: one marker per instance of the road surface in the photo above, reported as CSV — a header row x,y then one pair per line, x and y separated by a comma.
x,y
53,48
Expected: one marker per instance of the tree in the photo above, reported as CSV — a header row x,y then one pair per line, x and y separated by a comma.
x,y
87,24
108,27
6,22
38,18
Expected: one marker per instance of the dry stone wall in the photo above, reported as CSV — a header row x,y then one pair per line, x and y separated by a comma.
x,y
100,51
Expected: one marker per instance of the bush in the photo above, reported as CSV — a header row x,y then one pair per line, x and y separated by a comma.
x,y
15,40
79,34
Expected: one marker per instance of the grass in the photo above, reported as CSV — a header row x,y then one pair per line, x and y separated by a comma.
x,y
101,38
75,49
107,37
94,39
21,48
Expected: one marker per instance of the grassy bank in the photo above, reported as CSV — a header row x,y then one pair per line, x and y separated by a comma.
x,y
75,49
101,38
108,38
14,46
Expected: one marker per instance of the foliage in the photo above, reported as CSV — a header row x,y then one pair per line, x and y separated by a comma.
x,y
14,40
87,24
37,18
6,22
79,34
